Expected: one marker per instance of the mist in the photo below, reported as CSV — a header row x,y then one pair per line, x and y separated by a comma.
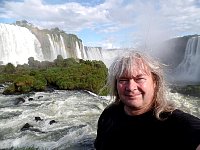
x,y
152,29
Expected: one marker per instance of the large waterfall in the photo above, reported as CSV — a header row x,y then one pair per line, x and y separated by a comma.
x,y
17,44
21,41
189,70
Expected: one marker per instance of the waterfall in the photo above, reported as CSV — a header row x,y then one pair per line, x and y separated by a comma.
x,y
110,54
93,53
17,44
105,55
188,69
57,46
78,51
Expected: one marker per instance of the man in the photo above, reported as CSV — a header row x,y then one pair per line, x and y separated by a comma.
x,y
141,117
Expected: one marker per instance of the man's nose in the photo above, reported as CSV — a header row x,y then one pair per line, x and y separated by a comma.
x,y
131,85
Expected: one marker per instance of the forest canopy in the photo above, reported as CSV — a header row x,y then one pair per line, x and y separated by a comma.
x,y
62,74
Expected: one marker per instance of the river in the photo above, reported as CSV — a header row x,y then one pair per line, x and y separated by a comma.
x,y
64,120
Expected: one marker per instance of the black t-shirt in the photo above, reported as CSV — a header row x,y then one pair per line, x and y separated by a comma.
x,y
119,131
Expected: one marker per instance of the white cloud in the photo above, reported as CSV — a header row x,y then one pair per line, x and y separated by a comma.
x,y
183,15
68,16
145,20
119,13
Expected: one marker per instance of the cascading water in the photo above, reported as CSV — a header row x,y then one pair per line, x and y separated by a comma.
x,y
78,51
57,46
93,53
17,44
110,54
67,120
189,70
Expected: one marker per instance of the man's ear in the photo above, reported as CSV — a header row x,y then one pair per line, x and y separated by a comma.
x,y
154,80
154,84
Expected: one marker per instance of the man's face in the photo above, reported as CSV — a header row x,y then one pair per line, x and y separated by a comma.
x,y
137,91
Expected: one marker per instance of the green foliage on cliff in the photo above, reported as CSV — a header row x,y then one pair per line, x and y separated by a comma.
x,y
65,74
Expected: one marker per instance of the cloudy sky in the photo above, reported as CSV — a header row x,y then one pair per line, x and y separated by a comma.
x,y
109,23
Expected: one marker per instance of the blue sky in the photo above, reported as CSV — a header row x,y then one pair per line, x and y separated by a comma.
x,y
109,23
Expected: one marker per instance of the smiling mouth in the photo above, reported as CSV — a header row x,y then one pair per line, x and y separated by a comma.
x,y
133,95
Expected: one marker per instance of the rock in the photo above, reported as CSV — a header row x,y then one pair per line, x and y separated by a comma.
x,y
19,100
26,127
30,99
29,127
38,119
52,121
40,97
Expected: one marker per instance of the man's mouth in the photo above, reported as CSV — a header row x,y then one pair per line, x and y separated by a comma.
x,y
133,95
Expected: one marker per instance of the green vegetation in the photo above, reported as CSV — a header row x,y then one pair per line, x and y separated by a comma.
x,y
191,90
64,74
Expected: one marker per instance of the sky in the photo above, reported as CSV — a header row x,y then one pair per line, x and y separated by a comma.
x,y
109,23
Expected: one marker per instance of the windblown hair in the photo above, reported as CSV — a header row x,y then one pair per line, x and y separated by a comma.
x,y
126,64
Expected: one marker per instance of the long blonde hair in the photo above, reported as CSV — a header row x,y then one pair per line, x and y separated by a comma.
x,y
135,59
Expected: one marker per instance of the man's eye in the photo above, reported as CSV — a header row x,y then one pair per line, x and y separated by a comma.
x,y
139,80
122,80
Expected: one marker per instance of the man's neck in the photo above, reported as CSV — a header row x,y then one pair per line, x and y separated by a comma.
x,y
135,111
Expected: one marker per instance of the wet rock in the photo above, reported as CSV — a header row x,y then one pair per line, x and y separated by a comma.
x,y
40,97
38,119
19,100
30,99
52,121
26,127
29,127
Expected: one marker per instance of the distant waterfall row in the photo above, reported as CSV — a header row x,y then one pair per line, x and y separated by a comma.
x,y
18,43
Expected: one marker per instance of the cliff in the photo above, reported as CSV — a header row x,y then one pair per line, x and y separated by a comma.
x,y
56,41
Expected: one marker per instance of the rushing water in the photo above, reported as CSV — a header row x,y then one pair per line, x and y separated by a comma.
x,y
74,113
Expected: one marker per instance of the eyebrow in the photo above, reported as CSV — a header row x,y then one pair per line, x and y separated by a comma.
x,y
137,76
140,75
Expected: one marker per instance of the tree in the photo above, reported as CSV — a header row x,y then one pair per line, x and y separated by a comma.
x,y
9,68
31,61
59,60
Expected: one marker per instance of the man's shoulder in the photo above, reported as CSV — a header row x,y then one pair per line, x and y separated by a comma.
x,y
188,124
182,117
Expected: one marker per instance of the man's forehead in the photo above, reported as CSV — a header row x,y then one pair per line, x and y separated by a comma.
x,y
135,73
